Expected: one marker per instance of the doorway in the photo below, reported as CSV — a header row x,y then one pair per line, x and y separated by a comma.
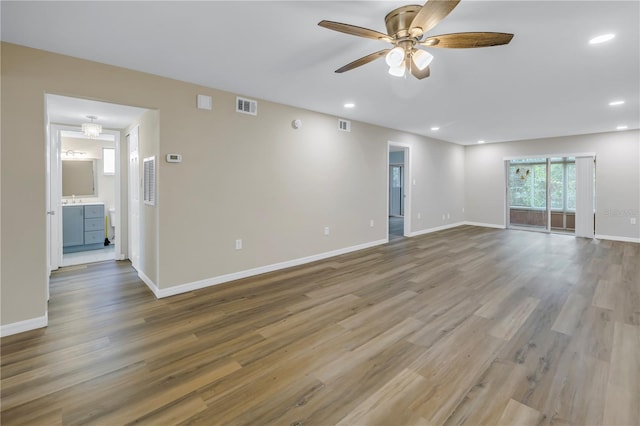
x,y
398,191
97,159
84,183
551,194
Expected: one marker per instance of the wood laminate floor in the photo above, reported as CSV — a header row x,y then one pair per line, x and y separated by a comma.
x,y
464,326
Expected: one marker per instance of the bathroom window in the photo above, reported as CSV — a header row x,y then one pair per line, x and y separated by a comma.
x,y
109,161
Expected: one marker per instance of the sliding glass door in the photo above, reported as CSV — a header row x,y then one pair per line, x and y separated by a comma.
x,y
541,194
527,193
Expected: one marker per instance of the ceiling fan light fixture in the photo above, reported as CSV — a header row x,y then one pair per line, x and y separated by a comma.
x,y
395,57
421,59
398,71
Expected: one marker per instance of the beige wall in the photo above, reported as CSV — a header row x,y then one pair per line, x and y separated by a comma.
x,y
617,178
247,177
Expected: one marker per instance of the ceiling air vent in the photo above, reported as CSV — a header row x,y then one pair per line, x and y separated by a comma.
x,y
344,125
246,106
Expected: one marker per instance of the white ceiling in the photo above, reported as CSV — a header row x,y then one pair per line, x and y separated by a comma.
x,y
547,82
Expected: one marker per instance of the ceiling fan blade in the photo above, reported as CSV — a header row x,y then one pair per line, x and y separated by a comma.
x,y
431,13
362,61
466,40
353,30
415,71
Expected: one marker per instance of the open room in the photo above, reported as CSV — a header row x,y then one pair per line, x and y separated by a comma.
x,y
352,212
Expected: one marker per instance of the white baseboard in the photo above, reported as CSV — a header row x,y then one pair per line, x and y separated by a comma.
x,y
196,285
486,225
149,282
617,238
22,326
436,229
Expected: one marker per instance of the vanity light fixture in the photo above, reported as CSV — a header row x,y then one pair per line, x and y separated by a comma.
x,y
91,130
616,103
622,127
435,128
481,141
73,154
349,105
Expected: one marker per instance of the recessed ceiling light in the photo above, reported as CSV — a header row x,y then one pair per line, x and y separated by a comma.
x,y
480,141
435,128
349,105
614,103
601,38
622,127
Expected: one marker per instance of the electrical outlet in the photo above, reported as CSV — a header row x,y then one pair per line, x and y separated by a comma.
x,y
632,220
371,223
419,215
326,230
238,244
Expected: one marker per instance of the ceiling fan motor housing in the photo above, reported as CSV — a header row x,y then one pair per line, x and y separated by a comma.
x,y
399,20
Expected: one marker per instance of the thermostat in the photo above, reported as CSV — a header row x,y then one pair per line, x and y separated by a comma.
x,y
174,158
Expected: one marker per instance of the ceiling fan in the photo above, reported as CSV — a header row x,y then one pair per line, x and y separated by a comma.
x,y
406,27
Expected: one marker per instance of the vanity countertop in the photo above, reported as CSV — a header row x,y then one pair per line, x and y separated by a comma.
x,y
96,203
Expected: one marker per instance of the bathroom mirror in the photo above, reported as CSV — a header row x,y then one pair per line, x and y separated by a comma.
x,y
79,178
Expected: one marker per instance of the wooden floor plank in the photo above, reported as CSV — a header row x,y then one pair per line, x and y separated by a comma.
x,y
570,314
622,404
509,325
519,414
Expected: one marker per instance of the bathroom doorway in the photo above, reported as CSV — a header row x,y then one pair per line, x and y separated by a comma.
x,y
84,180
85,191
88,197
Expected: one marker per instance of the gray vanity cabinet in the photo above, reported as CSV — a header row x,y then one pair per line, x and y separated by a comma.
x,y
82,227
72,226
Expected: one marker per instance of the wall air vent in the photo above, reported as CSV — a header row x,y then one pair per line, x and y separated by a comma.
x,y
149,181
246,106
344,125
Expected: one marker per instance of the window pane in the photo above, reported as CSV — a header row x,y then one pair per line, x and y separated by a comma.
x,y
557,186
571,186
519,187
109,161
539,182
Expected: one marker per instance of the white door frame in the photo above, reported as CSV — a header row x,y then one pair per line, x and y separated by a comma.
x,y
407,184
54,192
133,196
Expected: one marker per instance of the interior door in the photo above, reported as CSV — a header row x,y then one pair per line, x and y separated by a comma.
x,y
134,197
396,190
